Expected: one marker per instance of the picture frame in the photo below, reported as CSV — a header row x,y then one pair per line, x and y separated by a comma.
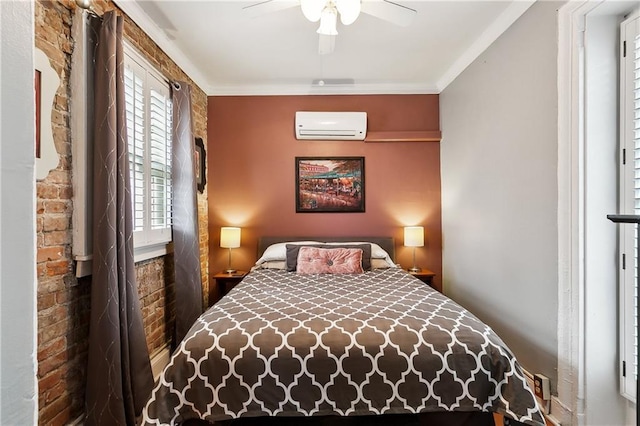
x,y
330,185
200,161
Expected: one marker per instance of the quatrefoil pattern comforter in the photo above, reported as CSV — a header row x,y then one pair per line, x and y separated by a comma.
x,y
382,342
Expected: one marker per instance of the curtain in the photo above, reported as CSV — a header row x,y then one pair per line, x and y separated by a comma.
x,y
119,378
186,241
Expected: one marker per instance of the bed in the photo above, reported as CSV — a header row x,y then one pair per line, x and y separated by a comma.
x,y
293,340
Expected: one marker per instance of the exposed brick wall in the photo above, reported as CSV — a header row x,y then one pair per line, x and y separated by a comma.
x,y
157,300
63,300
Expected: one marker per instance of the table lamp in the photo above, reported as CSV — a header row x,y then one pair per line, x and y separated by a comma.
x,y
414,237
229,238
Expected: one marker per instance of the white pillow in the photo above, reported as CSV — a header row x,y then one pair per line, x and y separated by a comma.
x,y
271,264
278,251
381,264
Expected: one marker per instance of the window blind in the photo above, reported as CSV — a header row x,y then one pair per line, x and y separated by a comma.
x,y
134,101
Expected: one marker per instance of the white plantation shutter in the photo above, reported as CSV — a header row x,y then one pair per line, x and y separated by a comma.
x,y
630,200
134,101
160,150
149,127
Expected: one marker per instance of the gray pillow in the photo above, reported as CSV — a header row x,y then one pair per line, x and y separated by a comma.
x,y
293,249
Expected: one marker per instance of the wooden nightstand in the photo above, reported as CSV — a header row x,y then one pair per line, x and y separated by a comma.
x,y
425,276
224,283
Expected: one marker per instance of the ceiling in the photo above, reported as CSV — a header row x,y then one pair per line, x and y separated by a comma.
x,y
227,51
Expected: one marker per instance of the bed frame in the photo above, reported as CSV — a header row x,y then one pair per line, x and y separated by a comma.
x,y
387,243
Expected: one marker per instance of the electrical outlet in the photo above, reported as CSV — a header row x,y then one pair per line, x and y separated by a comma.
x,y
541,387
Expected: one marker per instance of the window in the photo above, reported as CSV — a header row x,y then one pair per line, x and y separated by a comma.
x,y
629,200
149,131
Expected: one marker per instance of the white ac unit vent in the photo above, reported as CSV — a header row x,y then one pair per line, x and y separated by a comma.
x,y
313,125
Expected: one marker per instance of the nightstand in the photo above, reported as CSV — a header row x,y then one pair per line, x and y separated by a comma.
x,y
426,276
224,282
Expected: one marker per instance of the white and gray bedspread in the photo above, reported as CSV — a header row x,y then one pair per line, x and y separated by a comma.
x,y
382,342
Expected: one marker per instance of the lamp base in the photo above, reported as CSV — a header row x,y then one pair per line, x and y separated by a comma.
x,y
414,269
230,271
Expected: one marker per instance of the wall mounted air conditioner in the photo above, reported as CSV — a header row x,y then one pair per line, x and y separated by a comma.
x,y
315,125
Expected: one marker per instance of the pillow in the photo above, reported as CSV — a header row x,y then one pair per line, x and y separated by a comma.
x,y
271,264
377,252
381,264
278,251
292,253
315,260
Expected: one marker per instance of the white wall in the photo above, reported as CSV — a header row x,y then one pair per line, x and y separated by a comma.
x,y
499,188
18,395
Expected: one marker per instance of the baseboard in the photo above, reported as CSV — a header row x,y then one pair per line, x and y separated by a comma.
x,y
561,414
552,410
160,360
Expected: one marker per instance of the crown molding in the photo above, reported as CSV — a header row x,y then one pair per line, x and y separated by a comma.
x,y
489,35
135,12
327,89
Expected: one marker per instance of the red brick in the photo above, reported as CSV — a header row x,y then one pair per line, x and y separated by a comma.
x,y
58,267
47,190
46,301
57,206
50,411
41,270
66,192
53,315
51,285
48,334
62,418
60,177
50,380
46,254
52,348
51,363
54,238
56,222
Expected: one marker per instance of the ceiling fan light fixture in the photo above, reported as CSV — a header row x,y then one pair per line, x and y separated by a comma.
x,y
349,10
328,21
312,9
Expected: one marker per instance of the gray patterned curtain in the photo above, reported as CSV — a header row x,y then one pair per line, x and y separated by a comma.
x,y
119,378
186,241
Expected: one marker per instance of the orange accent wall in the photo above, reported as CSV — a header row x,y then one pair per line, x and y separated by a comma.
x,y
251,173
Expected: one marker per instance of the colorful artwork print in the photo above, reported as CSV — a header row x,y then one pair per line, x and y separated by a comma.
x,y
329,184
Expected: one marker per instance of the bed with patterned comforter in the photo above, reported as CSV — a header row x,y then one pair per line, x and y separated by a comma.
x,y
380,342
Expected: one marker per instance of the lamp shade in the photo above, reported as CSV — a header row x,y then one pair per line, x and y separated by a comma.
x,y
414,236
229,237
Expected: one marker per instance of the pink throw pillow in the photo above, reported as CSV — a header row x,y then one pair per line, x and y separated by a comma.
x,y
312,260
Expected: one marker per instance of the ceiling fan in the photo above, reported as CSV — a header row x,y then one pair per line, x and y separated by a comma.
x,y
327,11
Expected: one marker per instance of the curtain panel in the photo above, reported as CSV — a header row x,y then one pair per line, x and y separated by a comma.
x,y
186,241
119,378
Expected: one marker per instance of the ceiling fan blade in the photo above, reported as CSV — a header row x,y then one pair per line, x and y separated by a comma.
x,y
326,44
389,11
268,6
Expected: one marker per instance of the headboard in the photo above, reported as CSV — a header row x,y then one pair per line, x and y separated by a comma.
x,y
387,243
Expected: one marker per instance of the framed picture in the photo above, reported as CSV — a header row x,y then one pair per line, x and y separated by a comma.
x,y
329,184
200,160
